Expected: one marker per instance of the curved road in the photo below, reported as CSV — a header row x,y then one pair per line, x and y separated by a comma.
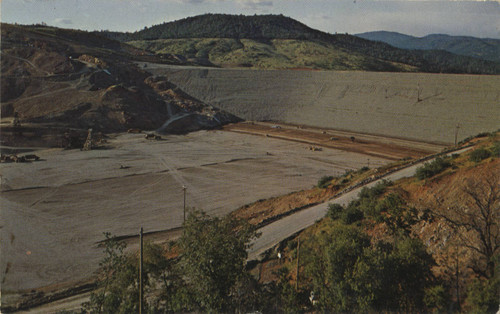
x,y
277,231
271,234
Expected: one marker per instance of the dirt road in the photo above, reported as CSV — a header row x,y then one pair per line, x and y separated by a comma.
x,y
54,211
372,145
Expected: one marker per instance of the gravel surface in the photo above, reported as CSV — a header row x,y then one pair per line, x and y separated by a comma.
x,y
55,210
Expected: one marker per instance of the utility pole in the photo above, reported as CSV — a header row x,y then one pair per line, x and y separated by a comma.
x,y
368,162
184,188
458,281
298,260
456,133
141,290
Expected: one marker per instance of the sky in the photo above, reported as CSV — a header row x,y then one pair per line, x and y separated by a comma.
x,y
412,17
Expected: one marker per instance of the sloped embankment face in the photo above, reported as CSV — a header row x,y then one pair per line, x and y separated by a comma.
x,y
426,107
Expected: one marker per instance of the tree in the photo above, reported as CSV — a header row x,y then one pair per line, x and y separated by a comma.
x,y
335,210
118,283
331,265
476,221
398,217
350,274
111,263
213,258
482,296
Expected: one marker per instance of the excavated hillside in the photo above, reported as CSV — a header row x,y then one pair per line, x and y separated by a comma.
x,y
66,79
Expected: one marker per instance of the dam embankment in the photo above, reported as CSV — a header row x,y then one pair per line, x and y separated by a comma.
x,y
421,106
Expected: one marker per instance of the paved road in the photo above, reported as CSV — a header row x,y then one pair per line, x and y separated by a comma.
x,y
277,231
272,234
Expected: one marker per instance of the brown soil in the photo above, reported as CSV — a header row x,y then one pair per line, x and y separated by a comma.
x,y
390,148
74,79
259,212
442,195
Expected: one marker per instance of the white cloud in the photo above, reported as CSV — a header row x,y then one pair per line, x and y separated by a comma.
x,y
247,4
192,1
255,4
64,21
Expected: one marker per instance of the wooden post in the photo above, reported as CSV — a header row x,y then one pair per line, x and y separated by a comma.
x,y
141,291
184,188
458,281
456,133
298,260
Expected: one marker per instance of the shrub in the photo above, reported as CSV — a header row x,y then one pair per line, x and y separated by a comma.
x,y
482,296
479,154
363,169
334,211
495,150
374,192
430,169
351,215
436,298
324,182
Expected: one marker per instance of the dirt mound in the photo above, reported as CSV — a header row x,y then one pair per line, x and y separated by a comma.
x,y
73,79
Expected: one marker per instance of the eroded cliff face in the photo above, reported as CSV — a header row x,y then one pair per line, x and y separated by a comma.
x,y
49,81
426,107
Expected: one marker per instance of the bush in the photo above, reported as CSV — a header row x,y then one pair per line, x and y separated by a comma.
x,y
363,169
436,298
351,215
479,154
430,169
374,192
324,182
482,296
495,150
348,215
334,211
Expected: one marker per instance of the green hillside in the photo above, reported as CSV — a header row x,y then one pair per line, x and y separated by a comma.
x,y
276,41
272,54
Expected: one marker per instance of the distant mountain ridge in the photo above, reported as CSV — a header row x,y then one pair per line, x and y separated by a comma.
x,y
483,48
282,42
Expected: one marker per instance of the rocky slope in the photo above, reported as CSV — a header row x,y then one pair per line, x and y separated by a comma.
x,y
73,79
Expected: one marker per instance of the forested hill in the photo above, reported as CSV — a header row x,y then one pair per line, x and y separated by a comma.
x,y
282,42
483,48
226,26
